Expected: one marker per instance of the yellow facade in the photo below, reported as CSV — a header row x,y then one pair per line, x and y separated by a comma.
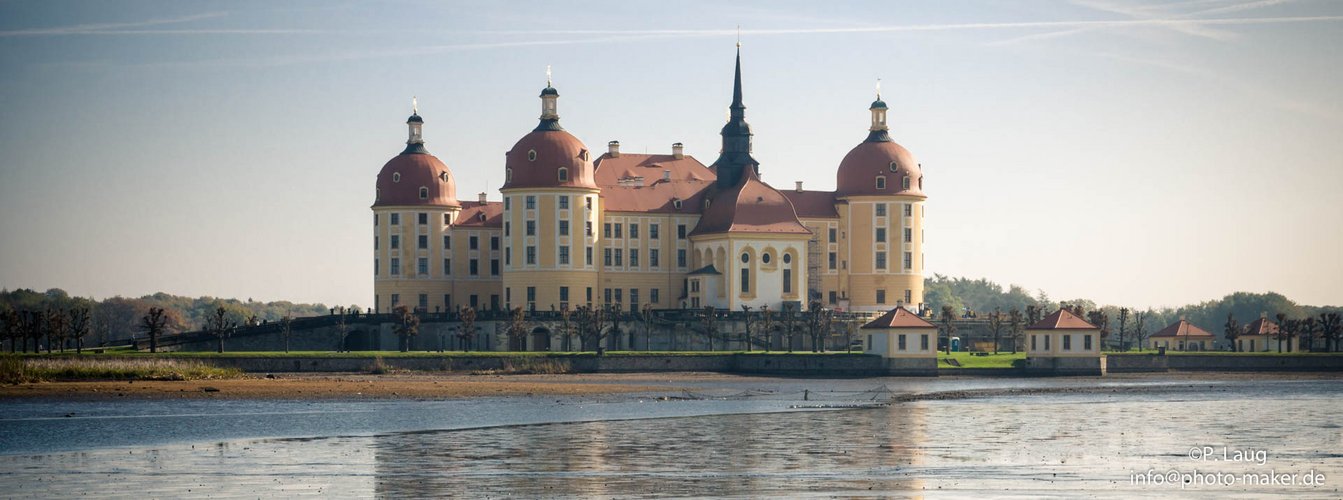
x,y
877,252
551,242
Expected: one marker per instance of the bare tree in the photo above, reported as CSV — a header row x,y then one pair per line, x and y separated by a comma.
x,y
1123,326
996,324
818,325
153,324
566,329
13,329
55,329
789,318
79,326
517,330
1331,328
407,326
767,324
1139,333
466,332
220,326
287,329
1101,321
591,322
342,328
1015,327
646,316
709,322
948,326
1232,330
746,310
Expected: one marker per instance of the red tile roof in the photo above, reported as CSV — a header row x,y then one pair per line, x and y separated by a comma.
x,y
898,318
1062,320
554,149
749,207
813,204
857,173
1182,328
1261,326
472,212
637,183
401,178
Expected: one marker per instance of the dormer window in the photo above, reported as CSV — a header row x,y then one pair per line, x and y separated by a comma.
x,y
881,182
377,196
904,182
894,166
508,175
920,183
677,204
424,193
531,155
396,176
443,176
482,216
563,174
583,155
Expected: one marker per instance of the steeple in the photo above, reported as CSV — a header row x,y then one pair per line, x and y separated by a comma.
x,y
550,116
878,131
415,124
736,153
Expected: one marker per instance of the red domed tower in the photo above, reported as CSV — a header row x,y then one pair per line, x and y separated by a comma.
x,y
413,210
879,187
551,205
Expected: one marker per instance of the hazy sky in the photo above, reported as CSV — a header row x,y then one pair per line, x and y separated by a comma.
x,y
1130,152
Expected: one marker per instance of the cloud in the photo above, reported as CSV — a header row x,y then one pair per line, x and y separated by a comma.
x,y
102,28
1146,12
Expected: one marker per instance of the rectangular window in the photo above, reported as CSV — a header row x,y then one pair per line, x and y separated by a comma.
x,y
422,241
375,267
396,219
634,232
1047,342
508,228
531,255
424,301
901,342
564,203
375,242
508,205
447,219
587,228
680,231
531,203
475,267
447,242
909,261
881,235
396,299
923,342
564,255
620,261
618,296
909,296
564,294
606,257
909,210
588,203
833,235
473,243
653,295
607,293
1068,342
634,257
531,294
589,295
422,218
909,235
881,210
881,296
617,226
564,228
653,257
508,256
531,228
787,281
396,241
680,257
494,267
494,243
834,257
881,260
587,256
447,302
375,220
1033,346
396,266
745,281
1086,342
447,267
652,231
634,299
834,297
606,230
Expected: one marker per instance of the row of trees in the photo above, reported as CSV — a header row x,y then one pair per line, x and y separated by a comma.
x,y
56,329
1327,326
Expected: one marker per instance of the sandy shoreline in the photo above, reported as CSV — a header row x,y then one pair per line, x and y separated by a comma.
x,y
446,386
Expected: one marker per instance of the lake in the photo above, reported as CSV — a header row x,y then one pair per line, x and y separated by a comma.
x,y
741,436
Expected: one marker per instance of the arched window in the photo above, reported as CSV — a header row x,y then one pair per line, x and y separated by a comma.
x,y
508,175
564,174
531,155
787,259
377,196
894,166
745,258
904,182
424,193
396,176
881,182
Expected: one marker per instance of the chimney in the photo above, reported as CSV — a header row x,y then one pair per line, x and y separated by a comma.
x,y
613,149
666,175
482,198
678,151
799,186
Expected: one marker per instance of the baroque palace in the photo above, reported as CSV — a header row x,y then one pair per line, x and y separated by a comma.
x,y
659,230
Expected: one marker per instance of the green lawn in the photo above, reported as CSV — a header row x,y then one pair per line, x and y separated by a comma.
x,y
970,360
416,354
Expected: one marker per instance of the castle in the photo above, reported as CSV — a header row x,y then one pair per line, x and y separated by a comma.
x,y
656,230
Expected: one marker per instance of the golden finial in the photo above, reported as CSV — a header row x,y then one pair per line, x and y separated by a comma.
x,y
739,36
878,89
547,75
414,105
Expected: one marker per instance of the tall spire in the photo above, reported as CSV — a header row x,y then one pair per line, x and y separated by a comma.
x,y
736,154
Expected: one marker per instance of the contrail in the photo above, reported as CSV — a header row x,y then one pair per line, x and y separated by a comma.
x,y
88,29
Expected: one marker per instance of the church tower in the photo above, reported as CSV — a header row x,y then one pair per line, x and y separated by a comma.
x,y
551,207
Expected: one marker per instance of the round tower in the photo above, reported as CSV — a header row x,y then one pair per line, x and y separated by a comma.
x,y
880,188
414,207
551,207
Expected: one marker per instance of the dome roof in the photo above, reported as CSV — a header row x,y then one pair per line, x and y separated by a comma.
x,y
401,180
751,206
535,161
858,172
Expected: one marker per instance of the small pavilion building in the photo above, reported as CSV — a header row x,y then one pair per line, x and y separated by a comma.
x,y
906,342
1182,336
1064,344
1261,335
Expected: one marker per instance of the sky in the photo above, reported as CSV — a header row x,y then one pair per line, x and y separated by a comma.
x,y
1129,152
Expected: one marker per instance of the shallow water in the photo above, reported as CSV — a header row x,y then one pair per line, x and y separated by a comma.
x,y
1060,445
